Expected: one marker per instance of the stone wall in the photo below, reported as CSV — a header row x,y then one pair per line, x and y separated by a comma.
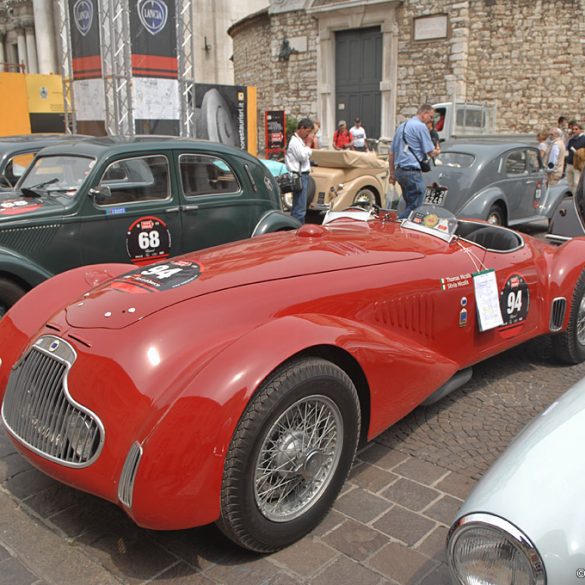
x,y
282,84
526,57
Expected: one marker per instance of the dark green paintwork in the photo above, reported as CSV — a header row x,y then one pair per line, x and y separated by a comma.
x,y
75,230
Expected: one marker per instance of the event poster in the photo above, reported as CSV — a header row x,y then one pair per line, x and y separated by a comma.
x,y
221,114
275,132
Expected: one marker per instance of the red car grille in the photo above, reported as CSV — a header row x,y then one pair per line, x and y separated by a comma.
x,y
40,413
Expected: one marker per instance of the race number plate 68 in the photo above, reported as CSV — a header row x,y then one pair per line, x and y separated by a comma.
x,y
148,239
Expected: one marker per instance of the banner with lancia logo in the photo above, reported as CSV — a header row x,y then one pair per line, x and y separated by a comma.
x,y
86,61
153,34
85,39
154,38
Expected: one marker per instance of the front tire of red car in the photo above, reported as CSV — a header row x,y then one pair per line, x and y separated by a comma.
x,y
569,346
290,455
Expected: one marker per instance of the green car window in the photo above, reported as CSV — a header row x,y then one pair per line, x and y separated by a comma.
x,y
206,175
132,180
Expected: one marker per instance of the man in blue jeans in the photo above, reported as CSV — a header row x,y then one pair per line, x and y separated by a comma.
x,y
297,160
412,144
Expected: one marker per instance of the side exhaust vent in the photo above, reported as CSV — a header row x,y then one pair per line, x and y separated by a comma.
x,y
557,313
128,475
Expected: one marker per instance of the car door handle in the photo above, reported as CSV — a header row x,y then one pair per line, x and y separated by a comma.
x,y
189,207
172,209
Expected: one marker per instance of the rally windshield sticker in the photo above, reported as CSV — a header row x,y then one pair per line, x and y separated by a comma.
x,y
514,300
158,277
148,239
16,206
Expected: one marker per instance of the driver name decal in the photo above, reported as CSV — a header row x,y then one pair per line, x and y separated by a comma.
x,y
455,281
148,239
514,300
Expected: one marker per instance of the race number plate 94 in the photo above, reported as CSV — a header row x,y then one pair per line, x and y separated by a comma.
x,y
514,300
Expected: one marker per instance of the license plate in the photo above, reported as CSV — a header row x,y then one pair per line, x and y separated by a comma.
x,y
435,195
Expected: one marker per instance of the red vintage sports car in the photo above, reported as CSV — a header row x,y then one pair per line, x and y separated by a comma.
x,y
233,385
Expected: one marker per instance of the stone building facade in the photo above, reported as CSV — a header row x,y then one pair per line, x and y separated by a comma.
x,y
526,57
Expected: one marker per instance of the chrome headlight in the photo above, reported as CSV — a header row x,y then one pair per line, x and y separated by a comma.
x,y
487,550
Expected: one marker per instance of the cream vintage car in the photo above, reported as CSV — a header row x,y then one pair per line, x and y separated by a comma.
x,y
343,178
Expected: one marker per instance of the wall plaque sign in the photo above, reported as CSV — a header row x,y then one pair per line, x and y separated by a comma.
x,y
430,27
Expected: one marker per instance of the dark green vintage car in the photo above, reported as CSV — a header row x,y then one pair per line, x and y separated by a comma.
x,y
138,200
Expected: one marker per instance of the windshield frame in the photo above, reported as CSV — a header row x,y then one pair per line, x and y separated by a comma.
x,y
67,193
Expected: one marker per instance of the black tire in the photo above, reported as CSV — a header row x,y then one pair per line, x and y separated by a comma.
x,y
365,198
10,292
496,215
267,448
569,346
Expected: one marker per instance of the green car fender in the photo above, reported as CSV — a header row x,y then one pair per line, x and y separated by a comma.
x,y
275,221
20,269
17,276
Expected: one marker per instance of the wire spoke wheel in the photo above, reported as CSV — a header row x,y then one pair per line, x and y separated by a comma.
x,y
297,458
290,454
581,322
365,198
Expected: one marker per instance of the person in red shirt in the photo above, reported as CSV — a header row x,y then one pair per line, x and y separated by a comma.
x,y
342,139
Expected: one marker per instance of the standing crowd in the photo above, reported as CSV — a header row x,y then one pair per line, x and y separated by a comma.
x,y
563,151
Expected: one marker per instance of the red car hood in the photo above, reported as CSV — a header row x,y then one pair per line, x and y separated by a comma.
x,y
310,250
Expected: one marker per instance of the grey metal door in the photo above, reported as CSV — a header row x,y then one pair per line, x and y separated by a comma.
x,y
358,71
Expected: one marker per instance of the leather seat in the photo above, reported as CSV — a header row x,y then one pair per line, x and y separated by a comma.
x,y
495,238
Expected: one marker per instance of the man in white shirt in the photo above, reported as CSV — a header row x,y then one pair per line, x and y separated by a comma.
x,y
297,160
358,133
555,157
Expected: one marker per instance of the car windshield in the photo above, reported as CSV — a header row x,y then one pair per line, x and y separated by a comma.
x,y
456,160
56,175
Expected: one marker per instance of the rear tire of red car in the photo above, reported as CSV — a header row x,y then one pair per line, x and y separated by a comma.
x,y
569,346
10,292
290,455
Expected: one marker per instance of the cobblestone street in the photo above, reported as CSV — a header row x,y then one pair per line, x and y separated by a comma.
x,y
388,525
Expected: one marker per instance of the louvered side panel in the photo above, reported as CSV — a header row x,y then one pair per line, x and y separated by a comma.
x,y
414,313
28,239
